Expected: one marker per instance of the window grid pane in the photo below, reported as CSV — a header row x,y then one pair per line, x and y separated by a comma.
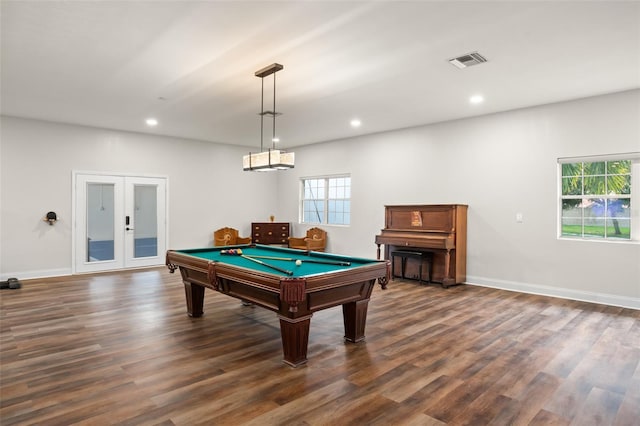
x,y
327,200
336,202
593,205
313,211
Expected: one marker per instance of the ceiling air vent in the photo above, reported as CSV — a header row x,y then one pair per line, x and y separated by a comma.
x,y
464,61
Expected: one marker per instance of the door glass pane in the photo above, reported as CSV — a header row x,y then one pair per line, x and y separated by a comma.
x,y
145,221
100,221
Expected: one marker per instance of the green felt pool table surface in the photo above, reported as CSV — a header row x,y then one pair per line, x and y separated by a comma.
x,y
311,261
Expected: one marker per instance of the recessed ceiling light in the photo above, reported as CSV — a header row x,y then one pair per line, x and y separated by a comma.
x,y
476,99
151,122
355,123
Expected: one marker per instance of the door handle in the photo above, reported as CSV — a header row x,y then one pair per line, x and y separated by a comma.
x,y
128,229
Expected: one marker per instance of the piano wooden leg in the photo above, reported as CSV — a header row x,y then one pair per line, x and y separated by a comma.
x,y
447,279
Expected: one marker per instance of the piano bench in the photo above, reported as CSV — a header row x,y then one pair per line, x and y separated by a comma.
x,y
404,255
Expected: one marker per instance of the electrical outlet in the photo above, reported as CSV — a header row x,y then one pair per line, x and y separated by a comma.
x,y
519,217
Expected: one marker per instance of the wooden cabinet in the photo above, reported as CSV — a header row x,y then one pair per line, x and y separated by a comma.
x,y
270,233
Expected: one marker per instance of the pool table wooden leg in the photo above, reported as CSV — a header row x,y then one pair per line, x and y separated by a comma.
x,y
195,299
355,319
295,339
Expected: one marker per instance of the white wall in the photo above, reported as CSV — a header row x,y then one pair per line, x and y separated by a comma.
x,y
500,165
207,188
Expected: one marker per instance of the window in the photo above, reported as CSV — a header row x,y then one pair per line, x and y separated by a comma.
x,y
596,197
326,200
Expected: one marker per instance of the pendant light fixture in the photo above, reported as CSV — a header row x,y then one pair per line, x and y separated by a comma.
x,y
272,158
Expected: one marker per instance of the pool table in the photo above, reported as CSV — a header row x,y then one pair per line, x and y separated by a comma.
x,y
295,290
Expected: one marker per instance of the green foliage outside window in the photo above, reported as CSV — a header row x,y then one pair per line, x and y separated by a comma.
x,y
596,199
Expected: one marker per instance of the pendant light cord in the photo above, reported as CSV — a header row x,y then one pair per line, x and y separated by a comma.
x,y
261,114
273,138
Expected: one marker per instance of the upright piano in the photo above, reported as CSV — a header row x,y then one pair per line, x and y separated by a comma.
x,y
440,229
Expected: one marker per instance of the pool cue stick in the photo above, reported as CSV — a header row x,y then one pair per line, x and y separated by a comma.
x,y
270,257
284,271
326,262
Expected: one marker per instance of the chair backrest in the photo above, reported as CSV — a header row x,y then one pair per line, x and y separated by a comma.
x,y
225,237
316,239
316,234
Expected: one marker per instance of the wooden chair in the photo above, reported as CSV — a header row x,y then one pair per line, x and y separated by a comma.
x,y
228,237
315,240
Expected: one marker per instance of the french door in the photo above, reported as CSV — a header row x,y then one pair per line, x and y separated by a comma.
x,y
120,222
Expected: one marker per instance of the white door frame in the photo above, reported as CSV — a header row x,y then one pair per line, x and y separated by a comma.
x,y
123,240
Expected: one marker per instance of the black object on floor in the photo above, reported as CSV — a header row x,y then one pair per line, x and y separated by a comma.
x,y
11,283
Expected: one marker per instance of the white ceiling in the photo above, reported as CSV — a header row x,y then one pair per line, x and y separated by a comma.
x,y
191,64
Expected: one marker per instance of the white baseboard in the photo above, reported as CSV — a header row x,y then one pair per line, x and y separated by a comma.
x,y
563,293
28,275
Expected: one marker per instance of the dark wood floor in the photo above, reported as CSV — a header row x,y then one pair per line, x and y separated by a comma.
x,y
119,349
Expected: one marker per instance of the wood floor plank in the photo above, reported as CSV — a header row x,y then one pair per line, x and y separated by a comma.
x,y
627,414
601,407
118,348
290,413
545,418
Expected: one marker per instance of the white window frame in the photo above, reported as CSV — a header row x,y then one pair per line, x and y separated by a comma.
x,y
634,157
325,200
